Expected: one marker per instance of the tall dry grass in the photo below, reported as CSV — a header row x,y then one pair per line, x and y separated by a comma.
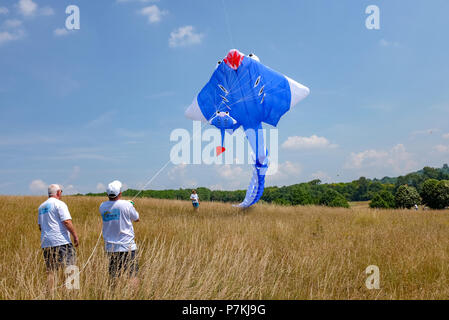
x,y
221,252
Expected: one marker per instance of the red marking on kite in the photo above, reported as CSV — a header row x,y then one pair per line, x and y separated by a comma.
x,y
220,150
234,59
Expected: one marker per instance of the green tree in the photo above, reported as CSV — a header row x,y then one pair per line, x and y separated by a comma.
x,y
407,196
383,199
445,169
300,195
378,202
362,189
443,193
429,193
332,198
431,173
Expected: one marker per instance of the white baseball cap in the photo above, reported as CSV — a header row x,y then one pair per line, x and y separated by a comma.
x,y
114,188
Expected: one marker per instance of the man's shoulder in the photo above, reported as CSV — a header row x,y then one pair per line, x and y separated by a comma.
x,y
59,203
44,203
124,203
105,204
56,202
119,204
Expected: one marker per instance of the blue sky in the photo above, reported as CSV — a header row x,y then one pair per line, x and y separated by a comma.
x,y
85,107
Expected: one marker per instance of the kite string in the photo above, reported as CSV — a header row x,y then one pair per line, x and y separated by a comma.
x,y
227,23
163,167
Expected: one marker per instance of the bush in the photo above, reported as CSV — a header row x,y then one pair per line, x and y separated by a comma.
x,y
383,200
406,197
378,202
429,193
443,193
435,194
300,196
332,198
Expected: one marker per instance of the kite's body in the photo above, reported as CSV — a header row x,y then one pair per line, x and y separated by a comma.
x,y
244,92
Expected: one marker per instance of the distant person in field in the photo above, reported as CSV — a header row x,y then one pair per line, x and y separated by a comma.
x,y
118,233
55,224
195,199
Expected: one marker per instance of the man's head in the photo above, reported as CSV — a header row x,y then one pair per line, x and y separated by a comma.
x,y
114,190
55,191
194,191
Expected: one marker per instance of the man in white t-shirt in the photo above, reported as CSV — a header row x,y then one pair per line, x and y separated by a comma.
x,y
118,232
195,199
55,224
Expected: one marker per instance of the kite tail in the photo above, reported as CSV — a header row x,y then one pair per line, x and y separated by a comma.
x,y
256,186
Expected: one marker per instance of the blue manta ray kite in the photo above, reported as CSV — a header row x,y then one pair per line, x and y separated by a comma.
x,y
244,92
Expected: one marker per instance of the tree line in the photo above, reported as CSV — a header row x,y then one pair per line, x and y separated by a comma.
x,y
429,186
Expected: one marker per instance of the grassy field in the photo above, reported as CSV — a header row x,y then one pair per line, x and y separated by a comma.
x,y
221,252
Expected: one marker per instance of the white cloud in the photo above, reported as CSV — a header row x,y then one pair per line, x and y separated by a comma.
x,y
184,36
180,174
27,7
70,189
4,10
287,173
290,168
61,32
313,142
230,177
177,171
216,187
153,13
396,158
12,23
38,186
100,187
446,136
357,160
229,172
442,148
323,176
6,36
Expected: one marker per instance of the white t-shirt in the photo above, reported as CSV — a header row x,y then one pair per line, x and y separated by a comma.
x,y
51,215
194,197
118,231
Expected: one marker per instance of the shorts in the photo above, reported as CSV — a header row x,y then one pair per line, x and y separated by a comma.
x,y
59,256
121,262
195,204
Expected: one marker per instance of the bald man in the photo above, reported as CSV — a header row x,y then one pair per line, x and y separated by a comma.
x,y
55,224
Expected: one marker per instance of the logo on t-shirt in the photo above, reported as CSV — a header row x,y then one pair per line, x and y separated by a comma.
x,y
114,214
45,209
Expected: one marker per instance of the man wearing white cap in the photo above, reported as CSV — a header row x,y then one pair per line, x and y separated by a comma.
x,y
118,232
55,224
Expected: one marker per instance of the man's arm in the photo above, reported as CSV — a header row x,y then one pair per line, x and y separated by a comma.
x,y
69,225
134,215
